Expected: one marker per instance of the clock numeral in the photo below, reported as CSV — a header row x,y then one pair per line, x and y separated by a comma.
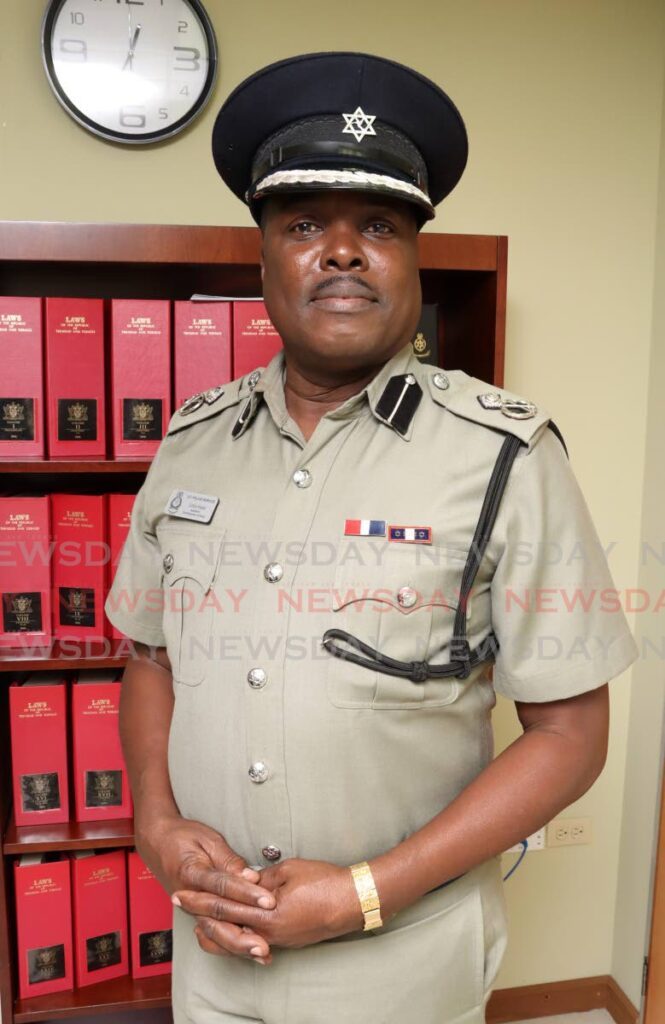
x,y
132,117
184,91
132,3
182,26
77,18
192,63
75,49
163,114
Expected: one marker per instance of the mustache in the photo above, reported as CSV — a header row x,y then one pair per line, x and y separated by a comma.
x,y
342,279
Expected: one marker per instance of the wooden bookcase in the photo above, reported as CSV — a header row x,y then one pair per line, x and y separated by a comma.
x,y
465,274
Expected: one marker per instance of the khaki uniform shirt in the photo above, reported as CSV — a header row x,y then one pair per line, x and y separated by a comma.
x,y
285,749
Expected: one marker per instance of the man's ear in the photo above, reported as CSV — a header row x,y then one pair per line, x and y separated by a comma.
x,y
262,261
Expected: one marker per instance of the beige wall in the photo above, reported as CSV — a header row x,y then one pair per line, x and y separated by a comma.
x,y
563,104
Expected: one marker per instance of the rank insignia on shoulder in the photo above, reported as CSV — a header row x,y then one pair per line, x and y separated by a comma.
x,y
364,528
411,534
516,408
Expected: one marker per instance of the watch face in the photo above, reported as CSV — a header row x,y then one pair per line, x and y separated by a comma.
x,y
130,70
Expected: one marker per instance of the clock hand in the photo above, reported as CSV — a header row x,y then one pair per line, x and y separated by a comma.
x,y
132,46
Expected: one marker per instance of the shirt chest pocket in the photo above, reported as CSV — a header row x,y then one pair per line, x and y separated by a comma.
x,y
404,608
190,564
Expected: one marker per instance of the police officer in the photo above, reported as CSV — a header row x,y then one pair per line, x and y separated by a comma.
x,y
325,560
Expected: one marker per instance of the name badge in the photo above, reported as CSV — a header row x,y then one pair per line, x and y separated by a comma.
x,y
189,505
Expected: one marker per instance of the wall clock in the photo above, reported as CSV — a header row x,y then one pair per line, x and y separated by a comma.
x,y
133,71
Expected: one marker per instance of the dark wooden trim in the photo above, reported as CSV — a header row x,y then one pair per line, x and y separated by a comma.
x,y
501,300
654,1004
70,835
559,997
68,654
105,997
57,242
68,466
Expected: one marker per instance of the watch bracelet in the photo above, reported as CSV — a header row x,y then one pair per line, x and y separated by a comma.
x,y
367,894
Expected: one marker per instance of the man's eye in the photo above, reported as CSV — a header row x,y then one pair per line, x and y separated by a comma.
x,y
304,227
380,227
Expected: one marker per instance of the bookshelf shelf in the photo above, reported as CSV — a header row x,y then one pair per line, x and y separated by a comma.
x,y
70,835
66,655
64,467
105,997
465,275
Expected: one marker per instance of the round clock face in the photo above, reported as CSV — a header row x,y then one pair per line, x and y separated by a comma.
x,y
130,70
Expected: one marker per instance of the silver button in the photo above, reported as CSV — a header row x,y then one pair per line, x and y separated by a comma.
x,y
410,379
302,478
257,678
441,381
407,597
253,379
271,852
490,400
167,562
258,772
273,572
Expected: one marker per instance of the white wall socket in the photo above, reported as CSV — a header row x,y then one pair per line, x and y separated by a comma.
x,y
569,831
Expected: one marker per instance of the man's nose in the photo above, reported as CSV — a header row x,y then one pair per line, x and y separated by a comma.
x,y
343,250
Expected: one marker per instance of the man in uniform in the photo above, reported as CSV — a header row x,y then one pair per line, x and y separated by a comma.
x,y
326,558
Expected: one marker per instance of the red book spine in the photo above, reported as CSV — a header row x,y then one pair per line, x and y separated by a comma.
x,y
43,924
101,785
75,378
38,726
25,572
119,518
79,565
99,888
202,347
140,375
151,920
22,379
255,340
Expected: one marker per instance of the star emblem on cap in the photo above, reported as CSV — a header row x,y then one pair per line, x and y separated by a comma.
x,y
359,124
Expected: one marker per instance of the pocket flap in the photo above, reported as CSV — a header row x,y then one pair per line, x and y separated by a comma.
x,y
192,554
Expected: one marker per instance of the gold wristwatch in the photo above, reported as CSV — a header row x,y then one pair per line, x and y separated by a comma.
x,y
367,894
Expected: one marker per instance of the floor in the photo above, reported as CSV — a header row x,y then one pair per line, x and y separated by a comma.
x,y
590,1017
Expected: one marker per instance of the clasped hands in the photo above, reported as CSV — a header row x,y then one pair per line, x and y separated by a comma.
x,y
241,911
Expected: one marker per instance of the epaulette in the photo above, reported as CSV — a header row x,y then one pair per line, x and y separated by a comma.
x,y
206,404
496,408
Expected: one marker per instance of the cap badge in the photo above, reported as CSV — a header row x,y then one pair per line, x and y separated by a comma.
x,y
359,124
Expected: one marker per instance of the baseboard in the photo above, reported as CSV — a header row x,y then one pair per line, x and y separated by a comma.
x,y
558,997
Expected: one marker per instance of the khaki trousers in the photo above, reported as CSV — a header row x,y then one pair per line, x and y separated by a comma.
x,y
434,963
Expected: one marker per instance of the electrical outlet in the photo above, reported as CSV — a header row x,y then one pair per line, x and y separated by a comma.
x,y
535,841
569,831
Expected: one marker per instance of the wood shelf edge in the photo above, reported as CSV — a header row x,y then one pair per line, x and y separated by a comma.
x,y
68,835
114,996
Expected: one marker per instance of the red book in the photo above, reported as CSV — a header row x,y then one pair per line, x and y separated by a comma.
x,y
118,519
255,340
22,379
151,920
25,572
75,378
101,786
99,889
202,347
140,375
78,524
43,924
38,727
